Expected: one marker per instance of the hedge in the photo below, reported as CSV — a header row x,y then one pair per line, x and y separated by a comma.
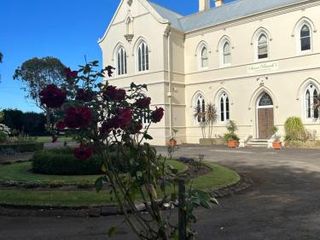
x,y
62,162
21,147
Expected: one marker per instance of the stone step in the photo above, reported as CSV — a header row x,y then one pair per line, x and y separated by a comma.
x,y
258,143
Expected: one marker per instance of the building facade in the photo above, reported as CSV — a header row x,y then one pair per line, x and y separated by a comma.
x,y
257,61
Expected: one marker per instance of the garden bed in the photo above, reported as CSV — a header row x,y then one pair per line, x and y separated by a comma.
x,y
21,177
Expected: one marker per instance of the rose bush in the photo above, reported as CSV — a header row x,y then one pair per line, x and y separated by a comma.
x,y
113,123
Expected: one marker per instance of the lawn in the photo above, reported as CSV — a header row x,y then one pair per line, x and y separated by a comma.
x,y
218,177
21,172
48,139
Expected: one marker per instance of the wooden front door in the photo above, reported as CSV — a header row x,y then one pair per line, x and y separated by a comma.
x,y
265,122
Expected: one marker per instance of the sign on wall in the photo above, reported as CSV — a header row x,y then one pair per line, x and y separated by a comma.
x,y
263,67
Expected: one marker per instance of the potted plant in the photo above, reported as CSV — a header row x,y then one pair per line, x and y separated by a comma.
x,y
231,137
172,141
276,144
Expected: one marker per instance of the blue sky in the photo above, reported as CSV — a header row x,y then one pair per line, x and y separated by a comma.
x,y
66,29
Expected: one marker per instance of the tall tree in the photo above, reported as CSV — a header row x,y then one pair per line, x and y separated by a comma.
x,y
1,57
37,73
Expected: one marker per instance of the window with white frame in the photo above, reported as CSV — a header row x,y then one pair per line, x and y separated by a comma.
x,y
262,46
226,53
305,38
122,61
224,107
311,94
200,109
143,57
204,57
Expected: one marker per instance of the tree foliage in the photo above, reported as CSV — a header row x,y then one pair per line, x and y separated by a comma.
x,y
1,57
39,72
30,123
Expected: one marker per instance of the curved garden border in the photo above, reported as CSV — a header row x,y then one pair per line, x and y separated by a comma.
x,y
8,208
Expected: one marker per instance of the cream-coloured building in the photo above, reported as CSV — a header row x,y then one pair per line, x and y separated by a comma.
x,y
258,61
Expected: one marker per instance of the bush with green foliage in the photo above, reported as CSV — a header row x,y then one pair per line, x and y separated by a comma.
x,y
21,147
63,162
295,130
30,123
231,135
3,137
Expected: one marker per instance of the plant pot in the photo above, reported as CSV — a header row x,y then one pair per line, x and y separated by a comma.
x,y
172,143
232,143
277,145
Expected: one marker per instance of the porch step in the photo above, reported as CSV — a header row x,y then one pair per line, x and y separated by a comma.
x,y
258,143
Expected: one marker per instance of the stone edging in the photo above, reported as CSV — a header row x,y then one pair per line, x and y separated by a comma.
x,y
109,210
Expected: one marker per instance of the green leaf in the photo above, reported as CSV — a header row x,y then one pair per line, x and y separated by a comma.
x,y
99,184
104,168
112,231
147,136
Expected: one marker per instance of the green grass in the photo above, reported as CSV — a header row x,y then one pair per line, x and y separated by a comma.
x,y
48,139
21,172
218,177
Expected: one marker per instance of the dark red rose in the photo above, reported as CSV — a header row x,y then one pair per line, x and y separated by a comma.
x,y
143,102
114,94
121,95
110,70
83,152
70,74
84,95
52,96
136,127
107,126
124,118
78,117
60,125
157,115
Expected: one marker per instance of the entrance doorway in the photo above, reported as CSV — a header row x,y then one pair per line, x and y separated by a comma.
x,y
265,116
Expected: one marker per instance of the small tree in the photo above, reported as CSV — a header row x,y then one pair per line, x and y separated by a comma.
x,y
211,117
206,118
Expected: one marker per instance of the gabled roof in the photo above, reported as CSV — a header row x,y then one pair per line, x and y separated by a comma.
x,y
171,16
227,12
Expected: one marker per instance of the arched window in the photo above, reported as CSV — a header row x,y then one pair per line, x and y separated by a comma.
x,y
262,46
305,38
226,53
265,100
224,107
310,101
122,61
200,109
143,57
204,57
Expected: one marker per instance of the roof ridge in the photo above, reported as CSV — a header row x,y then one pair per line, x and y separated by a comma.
x,y
170,10
213,8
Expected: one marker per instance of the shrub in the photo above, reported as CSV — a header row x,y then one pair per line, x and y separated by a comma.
x,y
3,137
295,130
63,162
21,147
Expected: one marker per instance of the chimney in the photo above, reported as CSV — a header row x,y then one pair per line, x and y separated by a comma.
x,y
204,5
218,3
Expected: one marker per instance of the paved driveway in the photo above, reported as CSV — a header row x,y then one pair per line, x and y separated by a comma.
x,y
283,203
